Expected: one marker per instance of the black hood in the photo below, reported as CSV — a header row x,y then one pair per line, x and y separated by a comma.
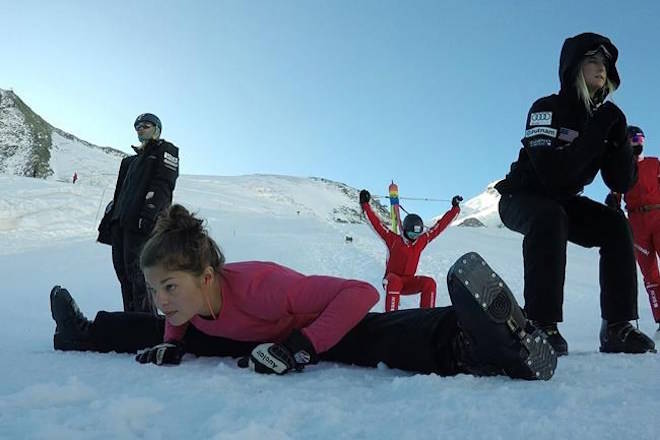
x,y
574,49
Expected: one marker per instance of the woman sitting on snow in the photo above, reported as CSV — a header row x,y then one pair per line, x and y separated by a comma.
x,y
278,320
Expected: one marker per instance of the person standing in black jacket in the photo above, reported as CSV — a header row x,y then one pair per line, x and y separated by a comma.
x,y
569,138
144,189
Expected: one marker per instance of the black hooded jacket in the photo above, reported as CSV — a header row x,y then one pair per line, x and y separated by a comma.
x,y
144,185
564,145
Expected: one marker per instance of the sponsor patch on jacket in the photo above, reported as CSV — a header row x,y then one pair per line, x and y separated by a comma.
x,y
540,118
541,131
540,142
568,135
170,161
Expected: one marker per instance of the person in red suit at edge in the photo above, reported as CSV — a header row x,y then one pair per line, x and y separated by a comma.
x,y
643,206
404,252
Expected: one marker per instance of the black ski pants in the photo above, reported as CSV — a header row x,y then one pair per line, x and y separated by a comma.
x,y
126,248
548,225
418,340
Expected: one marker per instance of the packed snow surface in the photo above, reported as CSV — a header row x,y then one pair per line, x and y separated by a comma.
x,y
47,237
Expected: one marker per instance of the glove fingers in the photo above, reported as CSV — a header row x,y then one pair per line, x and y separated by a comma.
x,y
146,357
142,357
159,358
161,354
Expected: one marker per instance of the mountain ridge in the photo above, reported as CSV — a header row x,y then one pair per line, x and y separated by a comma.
x,y
28,142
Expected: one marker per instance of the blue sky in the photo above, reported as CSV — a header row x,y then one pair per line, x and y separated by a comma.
x,y
431,94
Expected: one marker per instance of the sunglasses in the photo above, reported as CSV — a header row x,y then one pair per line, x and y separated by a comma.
x,y
637,138
143,125
599,50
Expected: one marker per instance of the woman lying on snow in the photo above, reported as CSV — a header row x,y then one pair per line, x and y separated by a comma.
x,y
278,320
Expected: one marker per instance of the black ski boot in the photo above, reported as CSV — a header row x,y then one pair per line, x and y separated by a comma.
x,y
622,337
554,337
72,331
498,334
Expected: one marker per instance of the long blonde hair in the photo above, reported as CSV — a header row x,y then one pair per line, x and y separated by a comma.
x,y
583,91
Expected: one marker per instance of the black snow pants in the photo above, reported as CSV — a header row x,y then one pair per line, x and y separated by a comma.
x,y
548,225
418,340
126,247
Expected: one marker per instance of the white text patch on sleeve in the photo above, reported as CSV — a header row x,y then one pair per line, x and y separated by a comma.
x,y
540,118
171,161
541,131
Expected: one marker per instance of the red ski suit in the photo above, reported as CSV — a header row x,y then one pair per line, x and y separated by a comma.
x,y
403,258
643,206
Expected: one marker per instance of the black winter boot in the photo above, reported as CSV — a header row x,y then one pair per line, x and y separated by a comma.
x,y
72,331
622,337
498,335
554,337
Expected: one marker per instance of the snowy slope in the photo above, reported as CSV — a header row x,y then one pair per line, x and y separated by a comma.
x,y
481,210
30,146
15,138
47,237
94,165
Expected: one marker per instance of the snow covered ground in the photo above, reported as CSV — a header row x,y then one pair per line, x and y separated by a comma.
x,y
47,232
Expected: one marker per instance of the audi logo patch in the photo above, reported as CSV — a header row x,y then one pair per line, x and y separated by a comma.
x,y
540,118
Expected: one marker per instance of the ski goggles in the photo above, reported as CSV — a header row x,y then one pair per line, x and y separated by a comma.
x,y
599,50
637,138
413,235
143,125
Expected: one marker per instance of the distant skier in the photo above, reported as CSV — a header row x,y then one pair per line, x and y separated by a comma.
x,y
404,253
643,206
75,177
144,188
570,137
278,320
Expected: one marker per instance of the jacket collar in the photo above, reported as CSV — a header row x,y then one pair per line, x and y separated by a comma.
x,y
139,149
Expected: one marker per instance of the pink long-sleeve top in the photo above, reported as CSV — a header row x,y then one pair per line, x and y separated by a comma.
x,y
265,302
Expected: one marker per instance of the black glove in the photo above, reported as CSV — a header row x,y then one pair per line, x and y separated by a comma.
x,y
364,196
162,354
610,120
618,134
272,358
456,200
105,234
612,201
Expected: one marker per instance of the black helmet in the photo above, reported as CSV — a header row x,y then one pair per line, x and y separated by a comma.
x,y
636,139
148,117
632,130
413,226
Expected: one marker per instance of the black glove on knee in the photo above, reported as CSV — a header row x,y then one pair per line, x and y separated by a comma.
x,y
611,121
612,201
272,358
167,353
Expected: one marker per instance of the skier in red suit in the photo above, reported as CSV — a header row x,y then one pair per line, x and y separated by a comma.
x,y
404,252
643,206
